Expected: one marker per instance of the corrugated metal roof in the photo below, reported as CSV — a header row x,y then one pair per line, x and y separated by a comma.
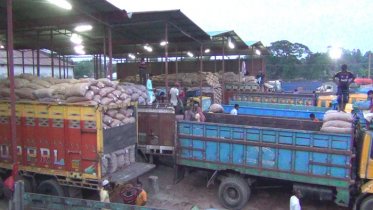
x,y
45,59
215,33
249,43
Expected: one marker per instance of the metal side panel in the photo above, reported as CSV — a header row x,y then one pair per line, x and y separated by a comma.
x,y
119,137
130,172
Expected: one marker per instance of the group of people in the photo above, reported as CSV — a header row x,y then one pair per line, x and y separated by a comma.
x,y
132,195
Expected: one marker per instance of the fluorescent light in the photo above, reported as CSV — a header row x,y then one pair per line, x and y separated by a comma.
x,y
2,47
190,54
80,51
148,48
164,43
83,28
79,47
207,50
257,52
131,56
231,45
61,3
76,39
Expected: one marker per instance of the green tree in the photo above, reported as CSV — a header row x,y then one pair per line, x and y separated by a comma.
x,y
83,69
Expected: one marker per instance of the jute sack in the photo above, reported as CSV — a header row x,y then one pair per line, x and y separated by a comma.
x,y
337,124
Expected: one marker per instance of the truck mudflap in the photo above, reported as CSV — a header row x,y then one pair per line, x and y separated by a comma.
x,y
130,172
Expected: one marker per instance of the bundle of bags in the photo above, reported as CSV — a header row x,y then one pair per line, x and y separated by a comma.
x,y
216,108
115,161
86,90
117,117
337,122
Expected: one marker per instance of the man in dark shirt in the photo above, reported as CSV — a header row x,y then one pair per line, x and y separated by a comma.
x,y
343,79
142,71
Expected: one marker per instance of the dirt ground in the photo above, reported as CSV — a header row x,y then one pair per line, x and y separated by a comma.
x,y
192,191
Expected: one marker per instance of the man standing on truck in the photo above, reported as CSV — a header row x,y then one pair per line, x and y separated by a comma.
x,y
142,71
343,80
234,111
294,200
149,88
174,92
104,195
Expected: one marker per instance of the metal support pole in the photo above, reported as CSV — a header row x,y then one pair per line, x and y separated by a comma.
x,y
33,62
52,57
166,55
110,55
12,86
23,61
223,85
59,65
239,73
100,67
38,62
200,76
177,69
369,64
252,60
94,66
67,67
215,65
105,75
64,67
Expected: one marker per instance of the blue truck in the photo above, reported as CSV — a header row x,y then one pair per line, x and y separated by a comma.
x,y
238,150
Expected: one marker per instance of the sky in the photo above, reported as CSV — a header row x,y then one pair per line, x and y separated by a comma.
x,y
314,23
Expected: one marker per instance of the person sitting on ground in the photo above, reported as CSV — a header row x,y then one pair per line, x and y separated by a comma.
x,y
313,117
234,111
129,194
188,115
199,115
142,198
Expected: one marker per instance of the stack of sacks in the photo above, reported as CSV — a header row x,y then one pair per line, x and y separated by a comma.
x,y
117,117
101,91
337,122
216,108
115,161
233,78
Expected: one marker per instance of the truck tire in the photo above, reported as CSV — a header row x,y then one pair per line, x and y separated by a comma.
x,y
27,184
367,203
234,192
50,187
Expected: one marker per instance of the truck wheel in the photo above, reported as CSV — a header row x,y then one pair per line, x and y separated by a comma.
x,y
367,203
234,192
50,187
27,184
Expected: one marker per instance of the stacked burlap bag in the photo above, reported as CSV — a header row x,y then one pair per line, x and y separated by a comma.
x,y
112,162
118,117
337,122
216,108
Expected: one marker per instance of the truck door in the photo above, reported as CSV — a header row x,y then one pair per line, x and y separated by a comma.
x,y
366,156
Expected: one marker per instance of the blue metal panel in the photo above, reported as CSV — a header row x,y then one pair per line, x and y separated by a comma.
x,y
319,158
198,145
274,112
212,152
238,154
198,130
301,161
268,157
225,152
285,159
285,138
185,143
252,156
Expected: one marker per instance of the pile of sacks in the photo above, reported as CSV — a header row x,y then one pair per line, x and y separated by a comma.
x,y
216,108
337,122
117,117
91,91
232,78
115,161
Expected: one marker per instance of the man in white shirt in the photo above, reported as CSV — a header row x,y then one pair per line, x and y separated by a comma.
x,y
174,92
294,200
104,195
234,111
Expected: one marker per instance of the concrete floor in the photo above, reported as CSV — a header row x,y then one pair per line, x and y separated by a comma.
x,y
192,191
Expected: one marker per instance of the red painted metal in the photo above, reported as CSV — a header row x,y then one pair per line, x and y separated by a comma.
x,y
11,76
166,56
52,56
110,54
